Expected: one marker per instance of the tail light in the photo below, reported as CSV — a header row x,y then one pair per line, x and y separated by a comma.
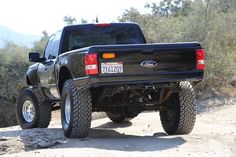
x,y
200,59
91,64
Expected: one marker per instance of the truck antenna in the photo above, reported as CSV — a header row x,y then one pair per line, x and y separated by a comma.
x,y
96,19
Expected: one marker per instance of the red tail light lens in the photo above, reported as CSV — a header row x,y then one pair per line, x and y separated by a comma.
x,y
91,64
200,59
103,24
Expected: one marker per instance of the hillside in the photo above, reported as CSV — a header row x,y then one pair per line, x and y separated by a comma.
x,y
7,34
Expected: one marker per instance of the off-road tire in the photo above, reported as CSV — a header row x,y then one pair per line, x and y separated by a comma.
x,y
81,111
117,117
183,106
43,111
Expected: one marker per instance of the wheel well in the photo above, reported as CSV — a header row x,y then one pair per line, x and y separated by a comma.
x,y
28,81
64,75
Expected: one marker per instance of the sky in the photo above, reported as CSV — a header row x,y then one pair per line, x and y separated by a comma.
x,y
34,16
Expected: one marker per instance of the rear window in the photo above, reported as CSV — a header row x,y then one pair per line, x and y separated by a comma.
x,y
84,36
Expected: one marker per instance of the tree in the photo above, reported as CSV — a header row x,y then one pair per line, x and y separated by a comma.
x,y
45,34
13,66
170,7
84,21
131,15
69,20
39,46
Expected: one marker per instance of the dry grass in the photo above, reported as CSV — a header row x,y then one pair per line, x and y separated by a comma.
x,y
228,91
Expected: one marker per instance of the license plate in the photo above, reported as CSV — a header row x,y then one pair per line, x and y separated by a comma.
x,y
112,68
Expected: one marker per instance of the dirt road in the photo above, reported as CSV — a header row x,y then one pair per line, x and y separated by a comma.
x,y
214,135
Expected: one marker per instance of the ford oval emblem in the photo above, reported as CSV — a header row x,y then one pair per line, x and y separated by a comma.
x,y
149,64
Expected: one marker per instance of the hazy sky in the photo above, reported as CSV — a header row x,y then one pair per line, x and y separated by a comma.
x,y
34,16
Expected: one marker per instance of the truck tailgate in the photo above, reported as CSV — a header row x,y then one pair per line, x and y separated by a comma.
x,y
147,59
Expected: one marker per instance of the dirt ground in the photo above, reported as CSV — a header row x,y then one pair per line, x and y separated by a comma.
x,y
214,135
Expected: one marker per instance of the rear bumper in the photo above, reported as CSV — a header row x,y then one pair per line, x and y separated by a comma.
x,y
92,81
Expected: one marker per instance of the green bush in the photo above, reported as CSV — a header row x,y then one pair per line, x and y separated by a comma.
x,y
13,65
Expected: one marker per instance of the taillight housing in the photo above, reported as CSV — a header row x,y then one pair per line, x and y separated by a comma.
x,y
200,59
91,64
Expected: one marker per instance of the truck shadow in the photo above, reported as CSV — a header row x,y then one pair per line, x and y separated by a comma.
x,y
112,125
113,140
99,138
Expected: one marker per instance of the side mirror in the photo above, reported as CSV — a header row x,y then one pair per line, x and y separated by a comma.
x,y
34,57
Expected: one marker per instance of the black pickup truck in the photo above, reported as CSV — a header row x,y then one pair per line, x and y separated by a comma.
x,y
110,67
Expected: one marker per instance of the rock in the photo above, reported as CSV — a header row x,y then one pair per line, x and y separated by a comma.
x,y
45,144
3,149
3,139
48,144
